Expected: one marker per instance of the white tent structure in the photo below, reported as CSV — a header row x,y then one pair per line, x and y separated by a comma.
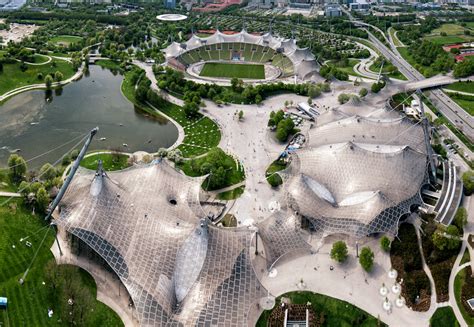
x,y
304,62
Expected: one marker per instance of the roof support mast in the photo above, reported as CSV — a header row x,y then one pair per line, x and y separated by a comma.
x,y
426,130
68,180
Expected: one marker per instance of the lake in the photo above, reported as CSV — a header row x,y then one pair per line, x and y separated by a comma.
x,y
35,122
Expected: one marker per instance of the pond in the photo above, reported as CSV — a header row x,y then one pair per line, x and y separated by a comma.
x,y
39,121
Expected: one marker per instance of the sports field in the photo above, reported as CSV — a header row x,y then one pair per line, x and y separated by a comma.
x,y
229,70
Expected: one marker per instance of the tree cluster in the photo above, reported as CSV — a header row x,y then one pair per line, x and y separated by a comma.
x,y
330,72
284,126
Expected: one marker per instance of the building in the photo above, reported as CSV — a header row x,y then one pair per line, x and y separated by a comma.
x,y
297,61
361,6
148,225
170,4
358,175
332,10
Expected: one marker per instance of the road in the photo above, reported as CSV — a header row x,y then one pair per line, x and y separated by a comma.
x,y
452,111
456,115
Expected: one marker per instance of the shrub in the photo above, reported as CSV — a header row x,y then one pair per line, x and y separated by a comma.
x,y
385,243
343,98
366,258
339,251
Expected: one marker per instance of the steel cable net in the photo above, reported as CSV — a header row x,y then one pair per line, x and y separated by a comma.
x,y
147,223
282,235
358,175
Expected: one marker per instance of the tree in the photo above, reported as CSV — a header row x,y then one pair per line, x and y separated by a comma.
x,y
314,91
48,172
464,68
258,99
40,76
468,182
385,243
162,152
17,168
376,87
48,81
42,200
241,115
446,238
460,219
310,101
366,258
363,92
191,109
343,98
339,251
58,76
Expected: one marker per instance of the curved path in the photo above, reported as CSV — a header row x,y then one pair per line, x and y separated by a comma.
x,y
468,203
38,63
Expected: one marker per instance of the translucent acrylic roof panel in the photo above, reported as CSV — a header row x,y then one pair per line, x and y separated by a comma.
x,y
147,223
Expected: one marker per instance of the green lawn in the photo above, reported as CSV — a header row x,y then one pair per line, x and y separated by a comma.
x,y
449,29
5,183
349,68
65,39
454,34
227,70
395,39
444,317
39,59
462,87
12,77
200,133
336,312
28,303
466,102
193,168
442,40
272,177
110,161
387,70
458,283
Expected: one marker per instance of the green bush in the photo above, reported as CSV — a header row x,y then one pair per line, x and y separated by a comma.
x,y
385,243
339,251
366,258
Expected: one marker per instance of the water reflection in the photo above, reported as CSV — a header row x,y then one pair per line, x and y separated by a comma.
x,y
37,121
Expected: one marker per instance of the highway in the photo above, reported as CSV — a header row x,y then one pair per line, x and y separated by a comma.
x,y
451,110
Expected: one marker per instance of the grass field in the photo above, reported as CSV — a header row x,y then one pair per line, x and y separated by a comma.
x,y
200,133
349,69
65,39
395,39
385,71
28,303
12,77
110,161
444,317
462,87
39,59
442,40
454,34
336,312
227,70
458,284
465,101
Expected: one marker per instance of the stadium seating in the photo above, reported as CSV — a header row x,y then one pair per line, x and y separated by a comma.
x,y
247,52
